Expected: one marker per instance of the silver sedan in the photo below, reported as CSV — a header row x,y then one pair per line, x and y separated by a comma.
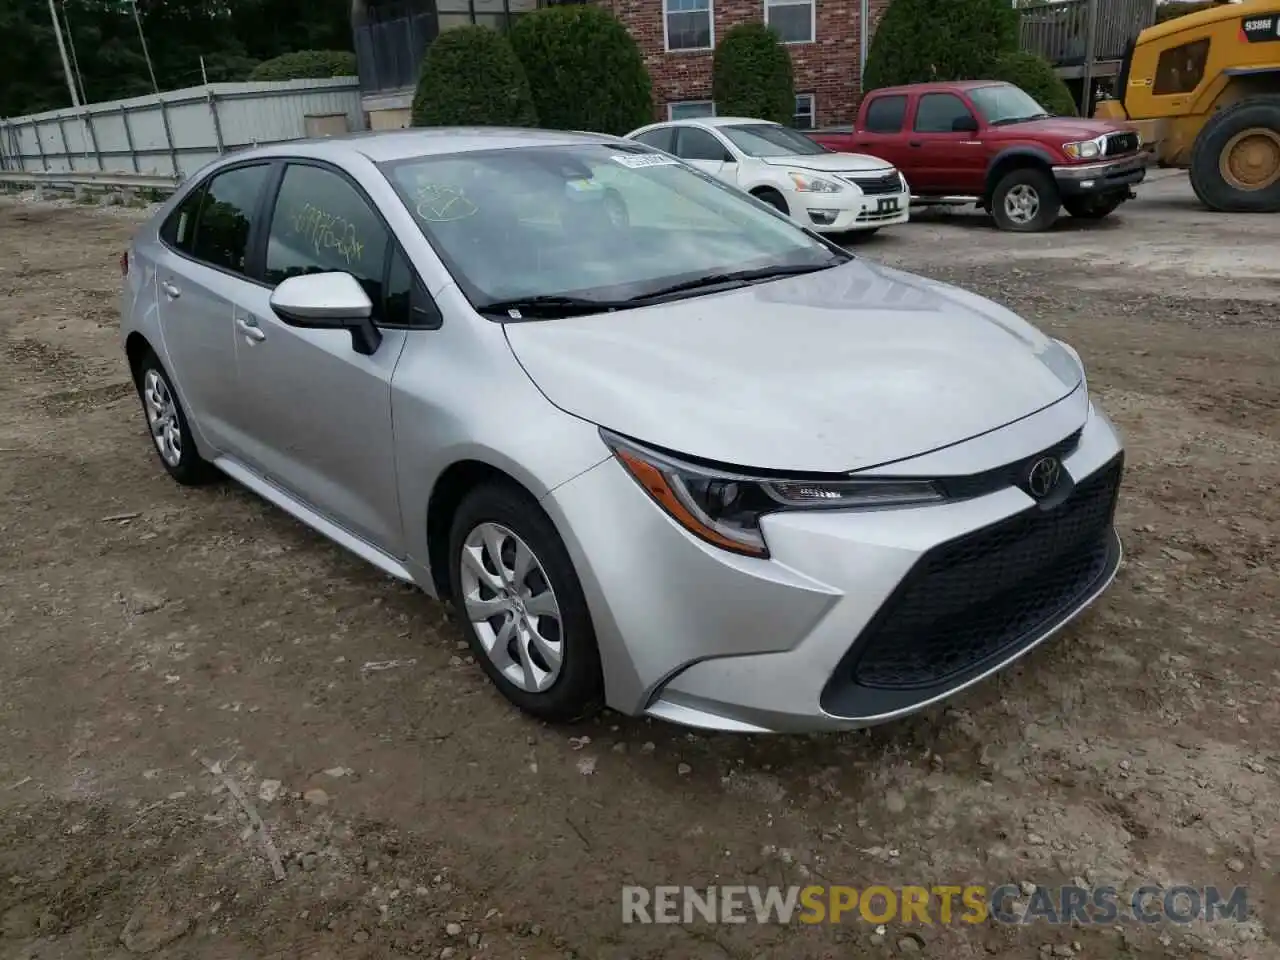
x,y
662,448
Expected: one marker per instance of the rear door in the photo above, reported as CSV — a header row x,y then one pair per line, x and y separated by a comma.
x,y
882,132
945,160
317,414
200,272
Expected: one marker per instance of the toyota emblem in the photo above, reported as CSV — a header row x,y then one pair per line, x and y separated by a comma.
x,y
1043,477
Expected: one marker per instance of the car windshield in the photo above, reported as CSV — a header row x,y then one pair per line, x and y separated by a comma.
x,y
1004,103
591,221
770,140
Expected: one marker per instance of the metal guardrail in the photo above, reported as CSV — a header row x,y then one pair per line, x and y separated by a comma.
x,y
82,180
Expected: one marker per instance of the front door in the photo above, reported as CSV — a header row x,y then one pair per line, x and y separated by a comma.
x,y
317,414
946,160
702,149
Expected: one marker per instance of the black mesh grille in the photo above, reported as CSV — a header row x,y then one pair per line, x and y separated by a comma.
x,y
969,600
1121,143
889,183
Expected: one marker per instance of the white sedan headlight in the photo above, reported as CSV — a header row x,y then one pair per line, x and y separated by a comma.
x,y
808,183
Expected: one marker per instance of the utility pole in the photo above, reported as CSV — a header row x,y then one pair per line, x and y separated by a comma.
x,y
1090,59
62,51
145,53
864,14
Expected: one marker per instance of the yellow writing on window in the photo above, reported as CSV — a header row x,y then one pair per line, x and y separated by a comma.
x,y
437,203
326,231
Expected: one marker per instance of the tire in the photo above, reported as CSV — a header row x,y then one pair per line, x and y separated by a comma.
x,y
503,516
1244,131
1091,208
1039,201
774,199
167,424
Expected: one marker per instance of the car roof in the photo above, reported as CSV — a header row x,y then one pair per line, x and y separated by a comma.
x,y
389,145
932,86
710,122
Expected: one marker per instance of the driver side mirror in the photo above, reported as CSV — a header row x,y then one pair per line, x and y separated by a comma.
x,y
966,124
328,301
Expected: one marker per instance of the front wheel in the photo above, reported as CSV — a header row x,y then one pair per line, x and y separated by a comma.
x,y
520,601
774,199
1091,208
1025,201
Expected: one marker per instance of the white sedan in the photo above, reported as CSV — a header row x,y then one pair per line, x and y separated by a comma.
x,y
825,191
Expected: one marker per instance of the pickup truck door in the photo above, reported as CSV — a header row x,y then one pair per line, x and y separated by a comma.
x,y
880,132
947,152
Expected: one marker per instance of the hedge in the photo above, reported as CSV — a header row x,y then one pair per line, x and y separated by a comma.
x,y
920,40
471,77
751,75
306,65
584,69
1035,75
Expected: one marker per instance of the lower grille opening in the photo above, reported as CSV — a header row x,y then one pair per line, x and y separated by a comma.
x,y
969,601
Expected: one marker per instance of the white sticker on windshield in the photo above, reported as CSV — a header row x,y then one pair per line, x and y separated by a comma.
x,y
637,160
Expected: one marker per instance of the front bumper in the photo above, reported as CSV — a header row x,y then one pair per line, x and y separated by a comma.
x,y
837,213
1108,176
827,634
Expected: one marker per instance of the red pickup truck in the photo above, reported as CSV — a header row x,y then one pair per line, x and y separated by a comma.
x,y
992,144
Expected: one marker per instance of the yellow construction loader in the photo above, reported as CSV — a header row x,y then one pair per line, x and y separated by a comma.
x,y
1204,91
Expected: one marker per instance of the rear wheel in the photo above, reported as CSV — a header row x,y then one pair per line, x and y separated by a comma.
x,y
1025,201
1235,162
1091,208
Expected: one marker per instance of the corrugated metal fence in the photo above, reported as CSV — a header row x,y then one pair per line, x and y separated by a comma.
x,y
173,134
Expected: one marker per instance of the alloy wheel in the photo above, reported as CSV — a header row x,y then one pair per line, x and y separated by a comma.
x,y
162,417
1022,203
512,607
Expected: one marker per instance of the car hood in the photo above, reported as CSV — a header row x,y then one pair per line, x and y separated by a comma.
x,y
1066,129
843,369
831,163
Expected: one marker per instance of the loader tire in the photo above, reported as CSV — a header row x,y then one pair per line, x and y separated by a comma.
x,y
1235,161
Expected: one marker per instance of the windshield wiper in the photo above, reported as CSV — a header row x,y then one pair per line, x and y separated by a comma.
x,y
518,308
1008,120
736,276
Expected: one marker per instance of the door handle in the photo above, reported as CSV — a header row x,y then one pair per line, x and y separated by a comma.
x,y
170,291
914,143
249,327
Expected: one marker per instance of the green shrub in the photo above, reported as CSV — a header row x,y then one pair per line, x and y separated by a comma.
x,y
1171,11
1035,75
920,40
751,75
584,69
471,77
306,65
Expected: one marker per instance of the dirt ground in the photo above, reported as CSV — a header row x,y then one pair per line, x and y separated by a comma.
x,y
148,633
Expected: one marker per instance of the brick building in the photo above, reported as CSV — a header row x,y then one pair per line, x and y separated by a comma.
x,y
676,37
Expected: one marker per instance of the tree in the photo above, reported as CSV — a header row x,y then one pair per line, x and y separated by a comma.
x,y
920,40
470,76
584,69
751,75
306,65
1036,76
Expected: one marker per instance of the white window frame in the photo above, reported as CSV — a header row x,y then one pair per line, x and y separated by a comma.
x,y
813,17
813,108
666,33
672,118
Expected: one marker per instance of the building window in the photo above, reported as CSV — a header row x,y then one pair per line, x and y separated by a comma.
x,y
691,109
793,20
1180,69
806,117
688,24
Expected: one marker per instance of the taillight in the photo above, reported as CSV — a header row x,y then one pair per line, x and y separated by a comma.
x,y
124,264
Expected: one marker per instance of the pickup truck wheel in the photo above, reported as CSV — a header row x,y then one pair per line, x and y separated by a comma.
x,y
1235,161
1025,201
1091,208
774,199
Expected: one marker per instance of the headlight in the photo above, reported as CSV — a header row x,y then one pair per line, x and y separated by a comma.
x,y
724,509
906,187
807,183
1083,149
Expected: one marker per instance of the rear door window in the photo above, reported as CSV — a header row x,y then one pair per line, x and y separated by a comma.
x,y
228,208
885,114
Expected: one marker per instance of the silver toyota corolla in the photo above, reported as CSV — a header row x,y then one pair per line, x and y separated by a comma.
x,y
663,449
